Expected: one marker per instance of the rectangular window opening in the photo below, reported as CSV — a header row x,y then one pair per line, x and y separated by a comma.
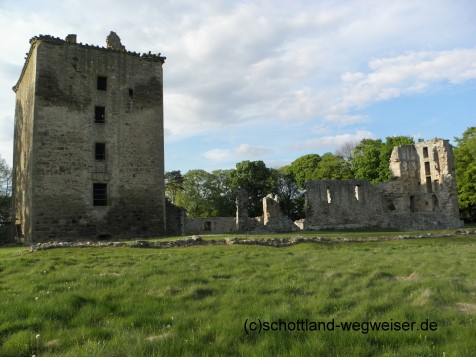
x,y
425,152
100,151
99,194
427,169
102,83
329,197
429,188
99,114
207,226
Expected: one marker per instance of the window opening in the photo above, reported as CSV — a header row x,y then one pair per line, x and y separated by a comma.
x,y
208,226
102,83
357,192
99,194
99,114
427,169
131,93
100,151
425,152
412,204
329,198
429,188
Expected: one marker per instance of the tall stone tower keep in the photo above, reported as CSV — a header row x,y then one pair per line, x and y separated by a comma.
x,y
89,142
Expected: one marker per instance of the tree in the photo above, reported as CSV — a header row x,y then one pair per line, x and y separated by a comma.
x,y
173,184
257,180
303,169
291,198
347,150
195,196
465,164
371,158
222,193
366,161
5,191
332,167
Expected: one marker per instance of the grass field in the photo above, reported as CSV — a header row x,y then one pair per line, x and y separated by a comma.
x,y
194,301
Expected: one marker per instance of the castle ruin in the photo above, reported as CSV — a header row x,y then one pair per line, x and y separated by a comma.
x,y
421,195
89,142
89,160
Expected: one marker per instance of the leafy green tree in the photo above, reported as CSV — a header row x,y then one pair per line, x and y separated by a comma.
x,y
303,169
5,191
371,158
222,193
465,164
196,194
366,161
291,198
332,167
257,180
173,184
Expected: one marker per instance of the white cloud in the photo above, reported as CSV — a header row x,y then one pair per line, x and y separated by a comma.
x,y
243,151
234,62
250,151
332,142
218,155
404,75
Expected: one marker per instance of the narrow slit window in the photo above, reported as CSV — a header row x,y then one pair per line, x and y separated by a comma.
x,y
100,194
131,93
102,83
329,197
357,192
100,151
99,114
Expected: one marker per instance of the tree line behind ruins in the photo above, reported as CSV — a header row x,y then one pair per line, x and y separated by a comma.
x,y
212,194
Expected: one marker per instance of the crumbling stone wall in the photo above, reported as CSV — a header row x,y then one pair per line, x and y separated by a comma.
x,y
274,219
56,134
210,225
421,195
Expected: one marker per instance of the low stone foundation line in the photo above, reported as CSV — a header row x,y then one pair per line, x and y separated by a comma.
x,y
271,242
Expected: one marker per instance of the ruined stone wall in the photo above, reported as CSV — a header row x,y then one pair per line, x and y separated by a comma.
x,y
65,134
210,225
421,195
346,204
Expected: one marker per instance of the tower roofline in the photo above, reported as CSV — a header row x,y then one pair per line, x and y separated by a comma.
x,y
71,41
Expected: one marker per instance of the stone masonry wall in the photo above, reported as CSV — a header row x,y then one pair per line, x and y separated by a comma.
x,y
65,132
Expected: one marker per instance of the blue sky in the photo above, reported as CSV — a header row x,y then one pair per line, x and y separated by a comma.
x,y
274,80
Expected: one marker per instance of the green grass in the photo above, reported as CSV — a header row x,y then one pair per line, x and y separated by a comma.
x,y
194,301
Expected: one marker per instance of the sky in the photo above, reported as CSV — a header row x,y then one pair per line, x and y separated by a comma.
x,y
273,80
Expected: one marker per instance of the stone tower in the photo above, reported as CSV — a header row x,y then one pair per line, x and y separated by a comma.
x,y
89,142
